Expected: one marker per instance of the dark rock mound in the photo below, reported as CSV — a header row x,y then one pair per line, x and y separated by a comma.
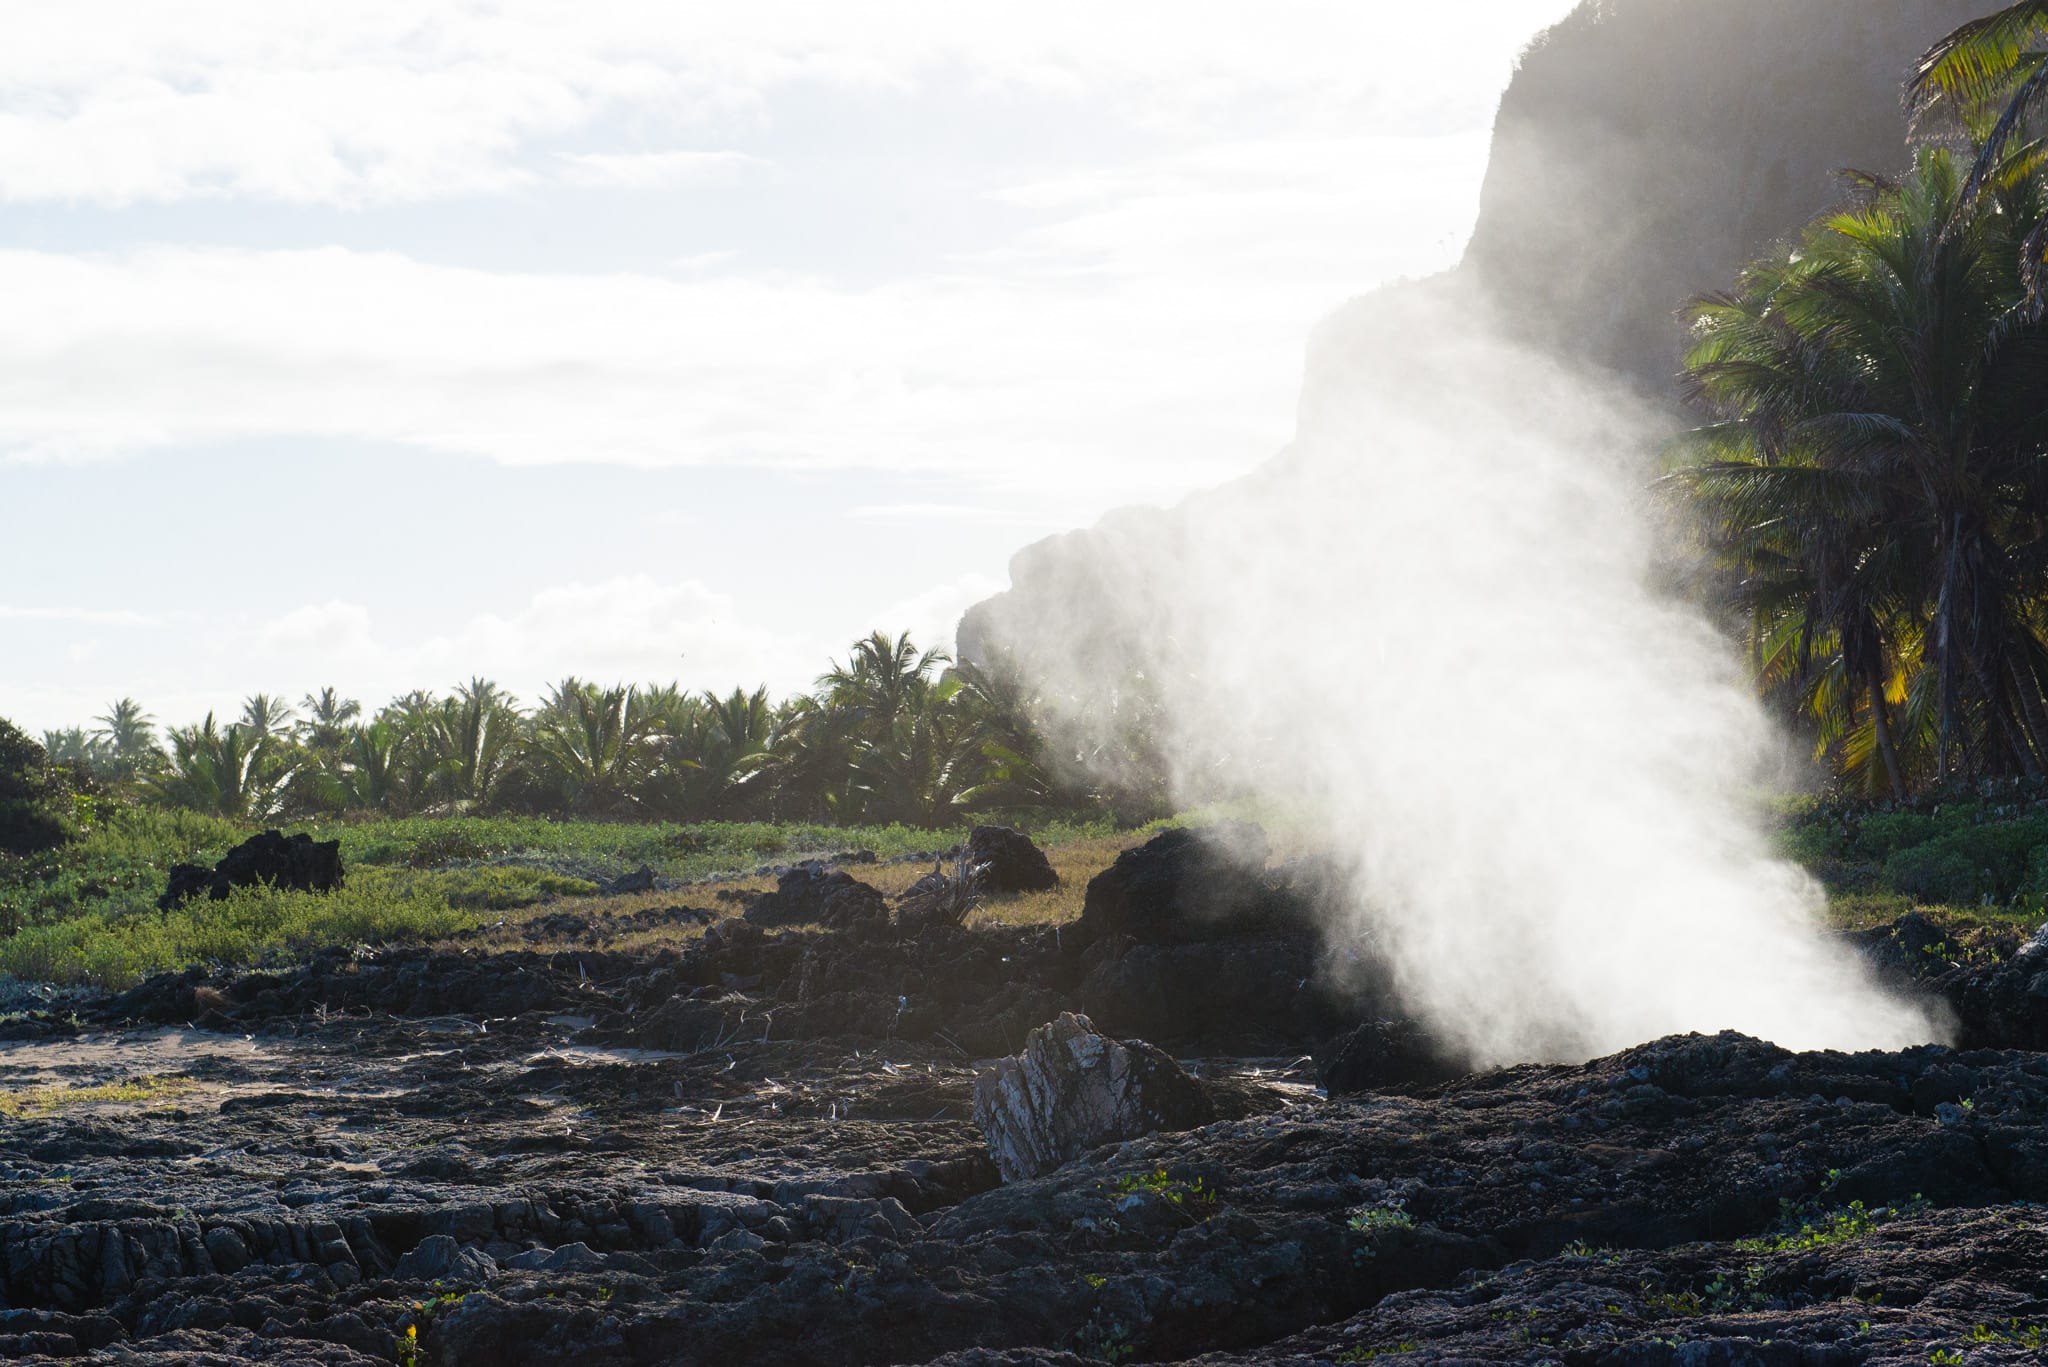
x,y
1381,1054
297,862
1073,1090
809,892
639,880
1244,995
1007,861
1184,886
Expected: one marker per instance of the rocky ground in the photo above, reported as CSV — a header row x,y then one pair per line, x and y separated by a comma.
x,y
760,1148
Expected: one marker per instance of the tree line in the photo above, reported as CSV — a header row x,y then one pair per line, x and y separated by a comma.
x,y
1873,483
890,734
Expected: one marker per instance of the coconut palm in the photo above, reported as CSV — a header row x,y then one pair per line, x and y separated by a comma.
x,y
470,738
127,738
1990,78
227,771
1877,472
594,743
72,748
266,717
328,721
370,773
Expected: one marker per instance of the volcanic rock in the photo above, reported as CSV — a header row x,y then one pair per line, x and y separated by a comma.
x,y
1381,1054
1187,885
639,880
297,862
1073,1090
809,892
1008,861
438,1257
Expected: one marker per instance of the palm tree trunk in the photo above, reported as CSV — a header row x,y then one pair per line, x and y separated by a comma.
x,y
1996,705
2028,687
1881,724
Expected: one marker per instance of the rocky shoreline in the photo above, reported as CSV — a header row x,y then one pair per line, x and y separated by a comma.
x,y
763,1148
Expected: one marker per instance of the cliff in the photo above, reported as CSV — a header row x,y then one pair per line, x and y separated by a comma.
x,y
1643,152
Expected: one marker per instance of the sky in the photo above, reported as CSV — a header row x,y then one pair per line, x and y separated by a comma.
x,y
381,345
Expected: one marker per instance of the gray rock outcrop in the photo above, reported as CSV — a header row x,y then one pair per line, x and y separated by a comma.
x,y
1072,1090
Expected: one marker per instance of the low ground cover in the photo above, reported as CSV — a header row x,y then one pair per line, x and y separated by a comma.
x,y
87,913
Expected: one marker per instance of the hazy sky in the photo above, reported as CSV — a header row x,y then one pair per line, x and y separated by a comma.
x,y
382,344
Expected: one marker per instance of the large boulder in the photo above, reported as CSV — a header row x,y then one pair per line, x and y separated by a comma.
x,y
1381,1054
811,893
296,862
1072,1090
1005,860
1185,885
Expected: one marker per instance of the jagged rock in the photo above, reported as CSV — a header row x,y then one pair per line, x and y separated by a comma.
x,y
1073,1090
298,862
576,1257
1382,1053
440,1258
1008,861
809,892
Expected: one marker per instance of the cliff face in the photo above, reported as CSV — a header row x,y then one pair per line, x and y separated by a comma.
x,y
1645,150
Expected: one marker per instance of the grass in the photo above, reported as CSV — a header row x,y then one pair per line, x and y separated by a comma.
x,y
35,1102
87,914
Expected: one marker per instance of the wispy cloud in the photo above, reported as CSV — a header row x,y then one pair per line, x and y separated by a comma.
x,y
126,101
101,617
656,170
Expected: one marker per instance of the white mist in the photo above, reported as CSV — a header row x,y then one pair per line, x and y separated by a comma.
x,y
1430,625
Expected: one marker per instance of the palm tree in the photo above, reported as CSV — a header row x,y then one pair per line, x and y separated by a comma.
x,y
127,736
1877,473
75,750
266,717
231,772
879,677
1014,761
595,743
1990,77
370,774
470,737
713,752
329,718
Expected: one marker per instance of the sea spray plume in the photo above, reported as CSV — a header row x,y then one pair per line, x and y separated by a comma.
x,y
1430,625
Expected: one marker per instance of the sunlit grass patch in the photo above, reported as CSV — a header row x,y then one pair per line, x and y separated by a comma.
x,y
114,950
32,1102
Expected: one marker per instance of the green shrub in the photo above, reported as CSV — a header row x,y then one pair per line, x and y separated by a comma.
x,y
32,818
1936,872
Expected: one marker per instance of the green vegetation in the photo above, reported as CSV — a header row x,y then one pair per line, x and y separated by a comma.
x,y
32,1102
1873,488
892,735
86,911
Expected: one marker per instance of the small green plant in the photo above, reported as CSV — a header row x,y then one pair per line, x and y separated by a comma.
x,y
2014,1334
1365,1354
1104,1338
1193,1200
1379,1229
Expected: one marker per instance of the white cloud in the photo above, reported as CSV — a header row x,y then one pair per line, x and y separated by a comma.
x,y
1145,345
114,617
931,616
656,170
116,101
937,512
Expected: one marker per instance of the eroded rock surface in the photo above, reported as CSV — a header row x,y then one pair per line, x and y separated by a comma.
x,y
762,1149
1073,1089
